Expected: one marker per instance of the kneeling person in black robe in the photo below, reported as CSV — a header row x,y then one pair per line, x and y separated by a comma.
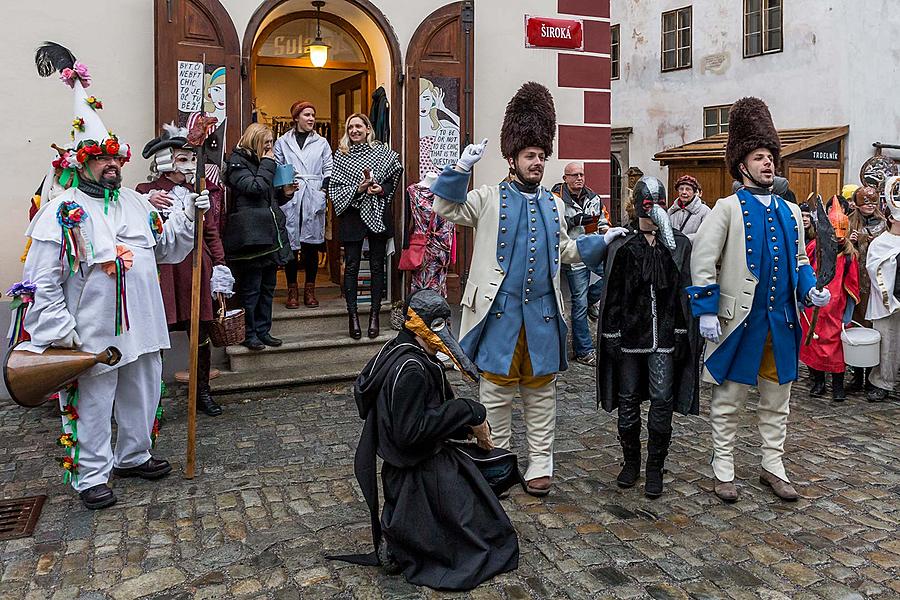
x,y
441,525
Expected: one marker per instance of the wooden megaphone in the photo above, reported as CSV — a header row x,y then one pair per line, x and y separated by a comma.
x,y
31,377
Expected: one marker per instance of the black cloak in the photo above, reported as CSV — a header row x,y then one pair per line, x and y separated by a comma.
x,y
686,385
443,524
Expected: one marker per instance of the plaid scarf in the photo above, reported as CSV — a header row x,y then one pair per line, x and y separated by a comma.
x,y
348,173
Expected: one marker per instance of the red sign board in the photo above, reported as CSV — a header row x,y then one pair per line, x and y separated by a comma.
x,y
546,32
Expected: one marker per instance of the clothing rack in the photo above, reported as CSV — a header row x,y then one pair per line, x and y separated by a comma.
x,y
281,125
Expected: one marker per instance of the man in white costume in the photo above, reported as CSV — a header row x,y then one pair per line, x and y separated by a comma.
x,y
882,263
93,260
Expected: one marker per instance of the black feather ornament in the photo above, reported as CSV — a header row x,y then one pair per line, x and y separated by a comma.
x,y
51,57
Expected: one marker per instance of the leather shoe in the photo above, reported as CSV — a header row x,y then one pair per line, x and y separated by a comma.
x,y
97,497
539,486
782,488
207,405
726,491
153,468
353,328
253,344
270,340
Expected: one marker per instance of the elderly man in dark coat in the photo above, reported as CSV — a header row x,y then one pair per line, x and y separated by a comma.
x,y
174,167
442,525
650,345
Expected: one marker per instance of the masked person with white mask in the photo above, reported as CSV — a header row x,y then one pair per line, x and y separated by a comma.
x,y
174,165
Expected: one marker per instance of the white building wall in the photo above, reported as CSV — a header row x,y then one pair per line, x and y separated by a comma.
x,y
835,70
115,38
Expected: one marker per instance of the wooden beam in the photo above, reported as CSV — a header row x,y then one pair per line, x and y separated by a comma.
x,y
812,142
305,63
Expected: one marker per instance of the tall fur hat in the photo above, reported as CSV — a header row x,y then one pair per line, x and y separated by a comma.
x,y
750,127
530,121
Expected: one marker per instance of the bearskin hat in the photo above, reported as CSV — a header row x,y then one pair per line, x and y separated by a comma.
x,y
530,121
750,127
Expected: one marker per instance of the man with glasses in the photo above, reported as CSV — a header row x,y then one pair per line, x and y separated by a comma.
x,y
585,215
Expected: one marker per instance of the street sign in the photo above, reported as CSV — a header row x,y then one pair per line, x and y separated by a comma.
x,y
547,32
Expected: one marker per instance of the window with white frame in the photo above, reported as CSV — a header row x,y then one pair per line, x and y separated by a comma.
x,y
715,119
676,39
763,27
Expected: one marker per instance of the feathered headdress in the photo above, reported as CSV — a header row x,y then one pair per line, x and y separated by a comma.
x,y
89,135
530,121
750,127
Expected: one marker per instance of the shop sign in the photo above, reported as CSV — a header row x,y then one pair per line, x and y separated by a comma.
x,y
829,152
546,32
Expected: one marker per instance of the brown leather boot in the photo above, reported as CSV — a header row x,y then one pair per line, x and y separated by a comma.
x,y
780,487
309,295
293,299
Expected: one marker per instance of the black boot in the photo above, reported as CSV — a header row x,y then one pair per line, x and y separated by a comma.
x,y
374,325
837,387
858,381
205,402
353,328
631,452
816,383
657,450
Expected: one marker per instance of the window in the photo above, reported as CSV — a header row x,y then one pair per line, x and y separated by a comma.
x,y
676,39
762,27
715,120
614,51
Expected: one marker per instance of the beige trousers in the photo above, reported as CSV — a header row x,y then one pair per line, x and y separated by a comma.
x,y
885,374
539,405
772,414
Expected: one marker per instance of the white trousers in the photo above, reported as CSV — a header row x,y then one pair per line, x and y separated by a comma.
x,y
131,393
539,406
885,374
772,414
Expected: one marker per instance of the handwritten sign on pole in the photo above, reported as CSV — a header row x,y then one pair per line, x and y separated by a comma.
x,y
190,86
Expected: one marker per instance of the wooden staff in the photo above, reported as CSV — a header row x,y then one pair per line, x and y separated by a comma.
x,y
196,273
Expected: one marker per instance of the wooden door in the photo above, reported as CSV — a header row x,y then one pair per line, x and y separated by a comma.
x,y
185,31
801,182
439,90
828,182
348,96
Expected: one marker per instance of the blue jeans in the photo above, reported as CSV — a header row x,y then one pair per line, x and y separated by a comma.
x,y
584,293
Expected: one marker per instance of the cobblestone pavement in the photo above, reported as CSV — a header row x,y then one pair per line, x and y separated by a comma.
x,y
275,493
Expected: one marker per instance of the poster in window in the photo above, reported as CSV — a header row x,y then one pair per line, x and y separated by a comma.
x,y
439,137
191,99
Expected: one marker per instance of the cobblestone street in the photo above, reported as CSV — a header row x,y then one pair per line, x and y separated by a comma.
x,y
275,492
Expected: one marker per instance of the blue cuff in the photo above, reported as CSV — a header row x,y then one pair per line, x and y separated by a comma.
x,y
848,312
452,185
592,249
704,300
805,282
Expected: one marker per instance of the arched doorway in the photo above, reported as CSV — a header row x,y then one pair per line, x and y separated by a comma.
x,y
364,55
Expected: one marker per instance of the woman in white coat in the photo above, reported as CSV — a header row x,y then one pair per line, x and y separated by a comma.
x,y
310,155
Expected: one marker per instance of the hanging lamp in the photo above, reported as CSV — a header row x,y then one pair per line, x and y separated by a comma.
x,y
318,50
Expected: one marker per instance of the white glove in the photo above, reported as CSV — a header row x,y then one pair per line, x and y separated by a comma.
x,y
196,201
471,155
612,233
222,282
710,327
71,340
819,298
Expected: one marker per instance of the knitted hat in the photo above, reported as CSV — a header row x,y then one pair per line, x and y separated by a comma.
x,y
688,180
89,135
530,121
750,127
299,106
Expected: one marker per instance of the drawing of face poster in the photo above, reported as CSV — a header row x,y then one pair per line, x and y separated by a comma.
x,y
191,100
439,138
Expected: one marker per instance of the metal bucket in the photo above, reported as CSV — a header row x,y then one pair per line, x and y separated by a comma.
x,y
862,346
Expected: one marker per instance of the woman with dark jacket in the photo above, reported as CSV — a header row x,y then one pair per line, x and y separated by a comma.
x,y
365,175
256,241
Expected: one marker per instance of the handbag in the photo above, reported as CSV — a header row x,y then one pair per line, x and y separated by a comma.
x,y
411,258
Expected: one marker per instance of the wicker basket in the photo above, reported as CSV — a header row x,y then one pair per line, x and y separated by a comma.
x,y
228,329
397,316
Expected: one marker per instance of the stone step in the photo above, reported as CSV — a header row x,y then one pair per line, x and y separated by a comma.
x,y
329,318
304,351
232,382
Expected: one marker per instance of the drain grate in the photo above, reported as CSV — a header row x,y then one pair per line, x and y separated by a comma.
x,y
19,516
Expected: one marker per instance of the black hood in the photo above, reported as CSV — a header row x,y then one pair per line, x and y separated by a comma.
x,y
371,379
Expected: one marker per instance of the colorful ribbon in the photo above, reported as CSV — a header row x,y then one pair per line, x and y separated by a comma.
x,y
69,437
157,421
108,195
22,294
122,324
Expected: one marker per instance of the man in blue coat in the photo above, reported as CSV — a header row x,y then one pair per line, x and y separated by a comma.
x,y
748,307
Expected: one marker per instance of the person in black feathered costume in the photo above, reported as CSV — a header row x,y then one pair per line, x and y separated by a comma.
x,y
649,342
441,525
